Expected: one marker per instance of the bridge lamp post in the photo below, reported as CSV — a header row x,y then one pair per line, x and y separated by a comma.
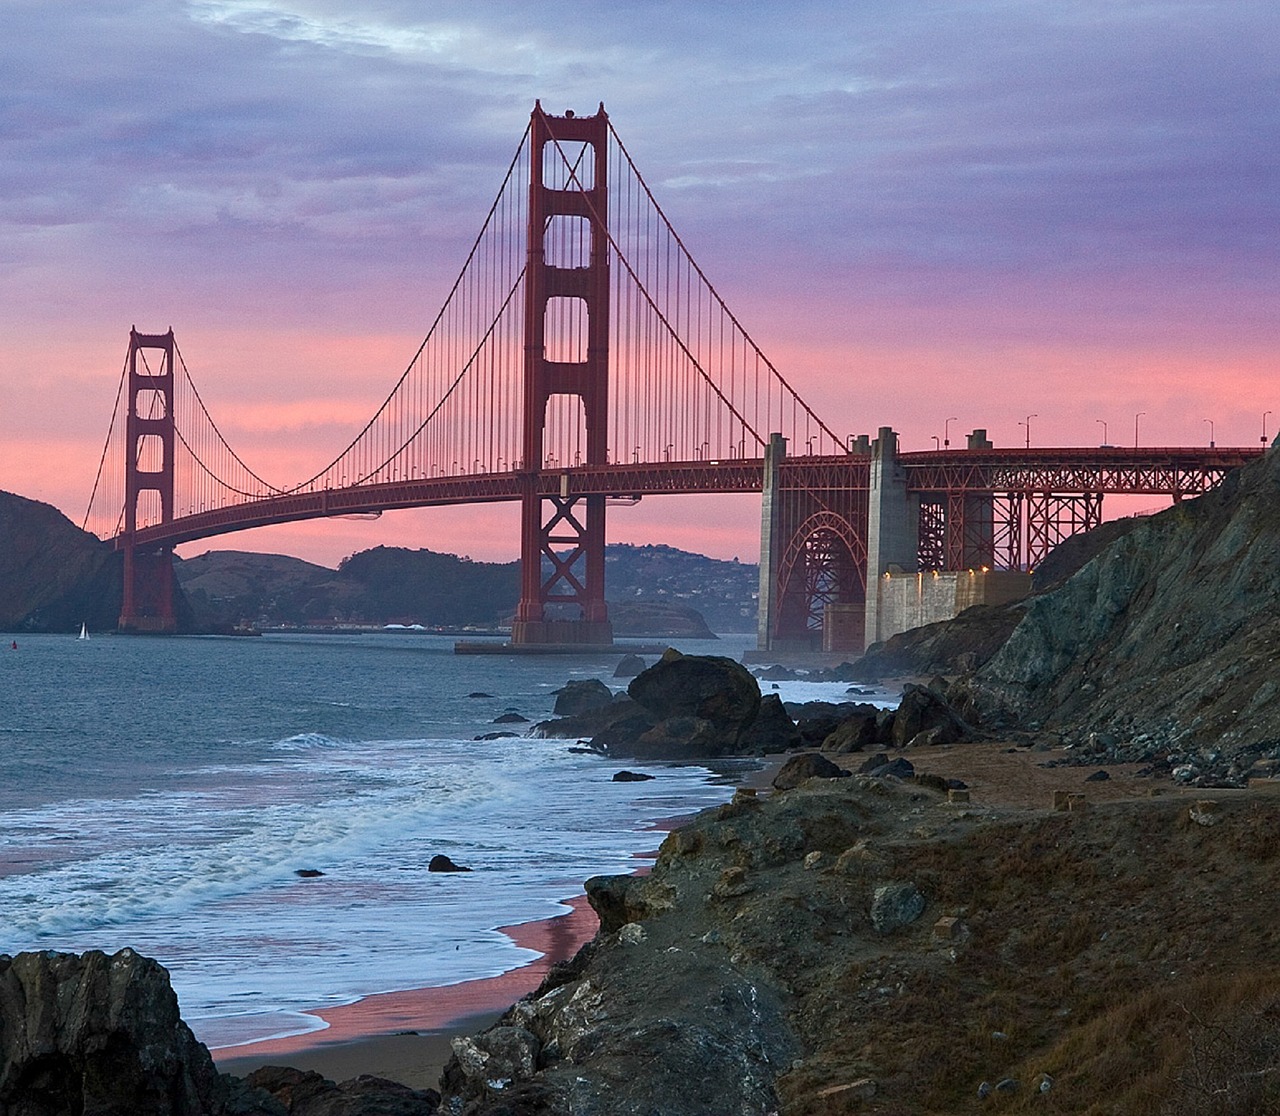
x,y
1105,440
1212,442
1027,424
1264,426
946,431
1135,427
937,445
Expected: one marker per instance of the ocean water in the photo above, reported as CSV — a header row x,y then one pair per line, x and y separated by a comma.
x,y
164,793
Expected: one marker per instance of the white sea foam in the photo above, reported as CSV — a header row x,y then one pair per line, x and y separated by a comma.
x,y
207,880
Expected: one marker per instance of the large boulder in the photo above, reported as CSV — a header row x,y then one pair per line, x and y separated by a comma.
x,y
580,696
924,715
807,765
709,687
685,707
88,1033
772,731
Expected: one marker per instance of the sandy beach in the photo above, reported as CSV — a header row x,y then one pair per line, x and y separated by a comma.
x,y
404,1036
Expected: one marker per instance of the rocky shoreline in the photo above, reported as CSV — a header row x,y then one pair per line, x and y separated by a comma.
x,y
1044,882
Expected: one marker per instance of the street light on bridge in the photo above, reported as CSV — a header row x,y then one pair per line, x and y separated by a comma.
x,y
1105,440
1027,424
1135,427
1212,442
946,431
937,445
1264,426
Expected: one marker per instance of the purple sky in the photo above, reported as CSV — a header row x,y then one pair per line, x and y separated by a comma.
x,y
985,210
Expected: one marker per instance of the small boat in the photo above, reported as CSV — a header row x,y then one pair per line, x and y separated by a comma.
x,y
84,631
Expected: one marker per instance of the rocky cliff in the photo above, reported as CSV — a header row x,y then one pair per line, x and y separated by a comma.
x,y
861,945
53,576
1166,643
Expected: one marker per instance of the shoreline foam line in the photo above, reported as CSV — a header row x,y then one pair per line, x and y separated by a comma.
x,y
381,1014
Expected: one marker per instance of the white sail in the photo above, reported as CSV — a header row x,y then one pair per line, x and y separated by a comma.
x,y
84,631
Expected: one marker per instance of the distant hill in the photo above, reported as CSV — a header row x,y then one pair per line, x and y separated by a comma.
x,y
655,590
724,592
53,576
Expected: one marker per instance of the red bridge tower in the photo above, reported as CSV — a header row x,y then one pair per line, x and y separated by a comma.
x,y
149,444
566,314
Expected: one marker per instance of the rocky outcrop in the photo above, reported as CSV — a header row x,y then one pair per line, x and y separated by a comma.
x,y
864,944
955,646
697,706
96,1034
306,1093
1163,646
581,696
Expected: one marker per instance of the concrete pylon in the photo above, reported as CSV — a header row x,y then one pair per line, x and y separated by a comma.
x,y
770,543
893,524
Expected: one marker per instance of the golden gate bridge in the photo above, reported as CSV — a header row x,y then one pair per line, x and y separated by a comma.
x,y
582,356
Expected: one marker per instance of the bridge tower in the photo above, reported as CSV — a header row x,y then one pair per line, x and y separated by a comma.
x,y
566,316
149,473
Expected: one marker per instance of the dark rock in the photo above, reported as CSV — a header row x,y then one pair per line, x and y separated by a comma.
x,y
1098,777
814,731
870,764
688,707
628,666
855,732
894,906
709,687
772,731
776,673
479,694
631,777
306,1093
496,736
510,718
441,863
308,873
581,696
896,768
807,765
597,721
925,710
90,1033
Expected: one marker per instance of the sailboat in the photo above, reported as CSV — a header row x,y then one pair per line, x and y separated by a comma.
x,y
84,631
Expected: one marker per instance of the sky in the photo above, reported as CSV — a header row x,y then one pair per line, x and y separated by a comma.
x,y
1009,213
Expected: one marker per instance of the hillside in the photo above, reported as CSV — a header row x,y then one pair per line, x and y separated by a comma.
x,y
1165,644
656,590
53,576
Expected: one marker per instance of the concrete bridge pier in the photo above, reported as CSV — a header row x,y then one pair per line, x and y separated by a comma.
x,y
893,525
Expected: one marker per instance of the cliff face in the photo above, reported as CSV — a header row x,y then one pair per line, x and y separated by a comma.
x,y
53,576
1167,639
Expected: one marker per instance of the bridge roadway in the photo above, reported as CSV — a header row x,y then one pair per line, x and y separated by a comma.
x,y
1172,471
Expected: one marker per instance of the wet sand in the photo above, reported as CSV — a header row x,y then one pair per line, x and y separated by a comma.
x,y
404,1036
